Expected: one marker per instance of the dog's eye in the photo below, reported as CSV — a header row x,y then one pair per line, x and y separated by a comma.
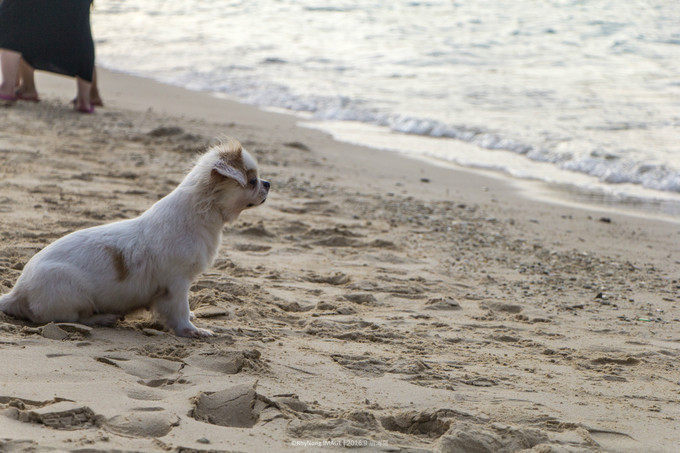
x,y
253,182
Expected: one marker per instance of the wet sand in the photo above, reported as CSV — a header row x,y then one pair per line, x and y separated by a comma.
x,y
373,301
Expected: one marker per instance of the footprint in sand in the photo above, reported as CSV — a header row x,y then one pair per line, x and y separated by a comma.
x,y
613,440
428,423
361,298
442,304
314,207
292,227
248,247
225,362
334,428
5,205
12,446
627,361
257,231
67,415
297,145
239,406
464,437
377,366
145,394
500,307
354,330
344,241
338,241
336,279
143,422
58,414
152,372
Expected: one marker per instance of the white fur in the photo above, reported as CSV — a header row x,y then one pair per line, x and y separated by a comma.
x,y
97,275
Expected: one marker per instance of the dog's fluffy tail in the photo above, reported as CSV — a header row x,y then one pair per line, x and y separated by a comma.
x,y
12,305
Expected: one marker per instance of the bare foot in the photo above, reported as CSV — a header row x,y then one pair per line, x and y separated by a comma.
x,y
96,100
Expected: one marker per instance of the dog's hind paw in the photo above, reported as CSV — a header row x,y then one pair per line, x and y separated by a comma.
x,y
102,320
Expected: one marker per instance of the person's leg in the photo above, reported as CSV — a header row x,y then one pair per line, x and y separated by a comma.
x,y
26,89
9,60
94,91
83,103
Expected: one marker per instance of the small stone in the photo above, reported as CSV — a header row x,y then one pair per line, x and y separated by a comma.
x,y
203,440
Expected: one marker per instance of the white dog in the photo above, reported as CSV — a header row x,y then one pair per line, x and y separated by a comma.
x,y
97,275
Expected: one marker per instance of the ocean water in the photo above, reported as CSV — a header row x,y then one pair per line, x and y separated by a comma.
x,y
582,94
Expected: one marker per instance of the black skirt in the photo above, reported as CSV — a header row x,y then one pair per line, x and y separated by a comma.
x,y
51,35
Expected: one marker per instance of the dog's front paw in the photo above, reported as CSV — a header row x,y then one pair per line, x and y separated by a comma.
x,y
204,333
195,332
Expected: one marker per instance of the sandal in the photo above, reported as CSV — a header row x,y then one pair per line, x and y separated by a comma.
x,y
83,109
8,97
97,103
30,98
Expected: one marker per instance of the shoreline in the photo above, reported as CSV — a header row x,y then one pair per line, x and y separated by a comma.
x,y
638,201
660,206
373,300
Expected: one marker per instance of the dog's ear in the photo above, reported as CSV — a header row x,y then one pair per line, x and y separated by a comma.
x,y
228,171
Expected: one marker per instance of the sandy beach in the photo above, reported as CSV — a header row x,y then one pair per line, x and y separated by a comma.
x,y
372,302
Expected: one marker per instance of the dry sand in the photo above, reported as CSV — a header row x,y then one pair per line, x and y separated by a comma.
x,y
373,301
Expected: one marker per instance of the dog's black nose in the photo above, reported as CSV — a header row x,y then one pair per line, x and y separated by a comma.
x,y
266,184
